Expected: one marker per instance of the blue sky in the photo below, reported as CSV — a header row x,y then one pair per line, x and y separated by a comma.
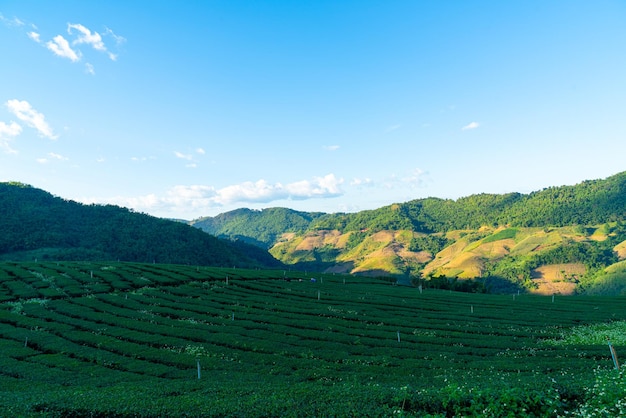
x,y
194,108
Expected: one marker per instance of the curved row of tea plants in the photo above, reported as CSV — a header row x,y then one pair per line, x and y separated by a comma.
x,y
125,339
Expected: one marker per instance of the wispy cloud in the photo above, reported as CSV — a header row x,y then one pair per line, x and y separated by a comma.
x,y
471,125
11,22
7,133
51,157
25,112
182,156
416,178
331,147
61,47
118,39
34,36
70,47
361,182
190,157
85,36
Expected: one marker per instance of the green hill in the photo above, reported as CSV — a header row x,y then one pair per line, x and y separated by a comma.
x,y
259,227
512,237
35,224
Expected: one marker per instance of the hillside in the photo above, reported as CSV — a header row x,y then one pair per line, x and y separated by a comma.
x,y
519,238
35,224
110,339
261,228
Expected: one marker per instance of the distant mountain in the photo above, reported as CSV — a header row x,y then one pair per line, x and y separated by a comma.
x,y
259,227
36,224
566,233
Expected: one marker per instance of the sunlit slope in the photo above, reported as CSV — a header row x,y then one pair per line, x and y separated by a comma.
x,y
545,260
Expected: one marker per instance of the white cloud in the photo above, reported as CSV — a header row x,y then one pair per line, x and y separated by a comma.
x,y
331,147
203,198
7,133
118,39
11,22
61,47
416,178
471,125
200,151
182,156
51,156
25,112
90,38
34,36
361,182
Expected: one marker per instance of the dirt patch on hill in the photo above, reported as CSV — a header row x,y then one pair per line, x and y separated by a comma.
x,y
319,239
557,278
620,249
495,249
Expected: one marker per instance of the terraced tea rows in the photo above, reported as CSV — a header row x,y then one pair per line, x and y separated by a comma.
x,y
160,339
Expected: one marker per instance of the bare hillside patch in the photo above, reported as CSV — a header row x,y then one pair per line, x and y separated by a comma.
x,y
557,278
495,249
620,249
318,239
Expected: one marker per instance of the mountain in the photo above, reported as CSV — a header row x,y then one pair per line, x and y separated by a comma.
x,y
36,224
559,239
262,228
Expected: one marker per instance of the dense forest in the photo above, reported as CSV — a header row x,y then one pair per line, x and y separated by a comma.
x,y
258,227
591,202
35,223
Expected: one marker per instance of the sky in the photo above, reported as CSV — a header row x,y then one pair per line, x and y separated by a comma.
x,y
195,108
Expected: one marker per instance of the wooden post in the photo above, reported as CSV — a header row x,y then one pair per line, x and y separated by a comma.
x,y
232,317
398,336
198,364
613,354
26,342
553,298
472,309
318,295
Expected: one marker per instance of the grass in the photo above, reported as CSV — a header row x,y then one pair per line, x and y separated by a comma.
x,y
125,339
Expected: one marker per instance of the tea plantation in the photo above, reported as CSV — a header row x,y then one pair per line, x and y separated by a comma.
x,y
145,340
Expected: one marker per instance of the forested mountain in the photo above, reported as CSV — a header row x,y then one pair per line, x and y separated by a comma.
x,y
259,227
591,202
36,224
571,233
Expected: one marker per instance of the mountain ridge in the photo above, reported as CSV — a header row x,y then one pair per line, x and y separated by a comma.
x,y
585,217
37,224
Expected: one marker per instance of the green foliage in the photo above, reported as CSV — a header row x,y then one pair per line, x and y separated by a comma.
x,y
429,243
124,339
508,233
35,223
453,283
260,227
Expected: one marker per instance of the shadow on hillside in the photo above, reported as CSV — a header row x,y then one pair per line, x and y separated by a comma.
x,y
323,267
501,285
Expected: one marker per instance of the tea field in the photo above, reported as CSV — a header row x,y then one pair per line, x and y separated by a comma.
x,y
148,340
